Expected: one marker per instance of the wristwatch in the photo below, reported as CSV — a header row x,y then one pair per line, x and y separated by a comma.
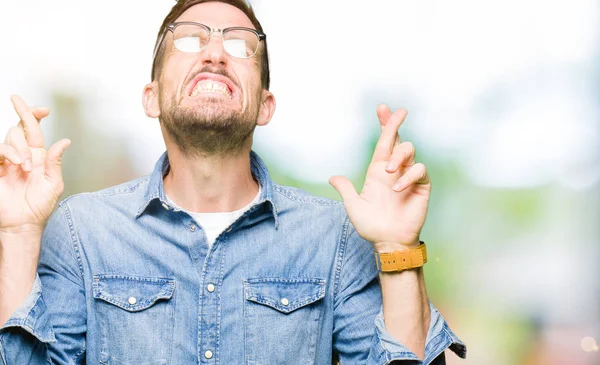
x,y
397,261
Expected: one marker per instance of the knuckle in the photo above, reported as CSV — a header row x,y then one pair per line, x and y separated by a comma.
x,y
407,147
406,150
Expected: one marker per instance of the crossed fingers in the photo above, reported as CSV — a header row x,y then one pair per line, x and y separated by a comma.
x,y
29,123
23,137
399,155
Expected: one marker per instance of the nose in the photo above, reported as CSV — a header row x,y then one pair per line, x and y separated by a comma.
x,y
214,53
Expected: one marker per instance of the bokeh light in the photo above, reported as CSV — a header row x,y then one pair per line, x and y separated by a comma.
x,y
588,344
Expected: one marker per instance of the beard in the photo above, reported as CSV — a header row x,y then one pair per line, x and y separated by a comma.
x,y
208,129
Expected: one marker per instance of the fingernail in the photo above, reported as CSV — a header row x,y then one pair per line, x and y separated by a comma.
x,y
28,165
389,166
17,160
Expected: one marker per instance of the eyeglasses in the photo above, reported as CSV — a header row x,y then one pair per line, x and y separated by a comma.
x,y
239,42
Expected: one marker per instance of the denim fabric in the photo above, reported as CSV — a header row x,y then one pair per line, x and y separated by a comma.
x,y
124,278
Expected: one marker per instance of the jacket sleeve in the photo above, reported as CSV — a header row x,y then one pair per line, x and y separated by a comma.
x,y
49,327
360,336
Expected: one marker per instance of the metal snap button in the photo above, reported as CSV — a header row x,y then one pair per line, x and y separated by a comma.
x,y
132,300
208,354
210,288
284,301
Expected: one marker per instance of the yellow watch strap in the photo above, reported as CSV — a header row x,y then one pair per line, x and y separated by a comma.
x,y
401,260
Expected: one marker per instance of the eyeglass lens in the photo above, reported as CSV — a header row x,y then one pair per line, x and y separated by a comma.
x,y
238,43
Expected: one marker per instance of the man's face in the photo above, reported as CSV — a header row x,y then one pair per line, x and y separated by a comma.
x,y
209,100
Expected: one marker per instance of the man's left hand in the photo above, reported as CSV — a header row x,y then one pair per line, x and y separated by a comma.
x,y
390,210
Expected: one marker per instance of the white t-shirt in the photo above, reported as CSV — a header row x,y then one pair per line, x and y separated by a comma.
x,y
215,223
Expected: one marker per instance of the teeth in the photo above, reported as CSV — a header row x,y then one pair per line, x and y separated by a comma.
x,y
211,86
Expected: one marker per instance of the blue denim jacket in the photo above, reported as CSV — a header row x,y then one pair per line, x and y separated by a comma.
x,y
124,278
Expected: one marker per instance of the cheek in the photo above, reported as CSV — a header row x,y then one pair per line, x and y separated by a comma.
x,y
175,70
252,97
253,87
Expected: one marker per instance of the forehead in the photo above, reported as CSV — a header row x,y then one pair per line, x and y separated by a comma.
x,y
217,15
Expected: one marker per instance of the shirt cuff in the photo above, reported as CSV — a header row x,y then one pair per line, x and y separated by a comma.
x,y
32,316
439,338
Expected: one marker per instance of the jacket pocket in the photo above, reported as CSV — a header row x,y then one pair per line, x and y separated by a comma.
x,y
135,316
281,319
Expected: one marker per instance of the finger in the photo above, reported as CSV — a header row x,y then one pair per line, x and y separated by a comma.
x,y
403,155
40,112
416,174
53,163
10,154
35,138
387,140
16,139
344,187
383,113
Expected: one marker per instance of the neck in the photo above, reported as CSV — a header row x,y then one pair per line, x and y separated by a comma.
x,y
210,184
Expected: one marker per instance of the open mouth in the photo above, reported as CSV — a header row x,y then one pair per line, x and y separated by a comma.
x,y
211,84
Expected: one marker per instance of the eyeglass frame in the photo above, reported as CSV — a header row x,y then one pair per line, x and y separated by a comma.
x,y
261,36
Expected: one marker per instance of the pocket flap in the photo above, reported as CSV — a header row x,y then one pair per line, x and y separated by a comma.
x,y
284,295
132,293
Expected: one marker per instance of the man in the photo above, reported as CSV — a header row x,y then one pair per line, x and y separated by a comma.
x,y
207,260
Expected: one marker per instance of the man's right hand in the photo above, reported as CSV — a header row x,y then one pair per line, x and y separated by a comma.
x,y
30,176
30,185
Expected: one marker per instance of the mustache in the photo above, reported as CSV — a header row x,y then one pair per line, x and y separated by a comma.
x,y
213,70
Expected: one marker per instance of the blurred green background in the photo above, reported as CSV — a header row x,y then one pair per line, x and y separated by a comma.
x,y
503,100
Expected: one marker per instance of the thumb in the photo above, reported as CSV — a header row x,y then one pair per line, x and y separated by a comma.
x,y
53,162
344,187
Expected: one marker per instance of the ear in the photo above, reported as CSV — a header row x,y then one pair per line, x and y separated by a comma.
x,y
150,100
267,108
